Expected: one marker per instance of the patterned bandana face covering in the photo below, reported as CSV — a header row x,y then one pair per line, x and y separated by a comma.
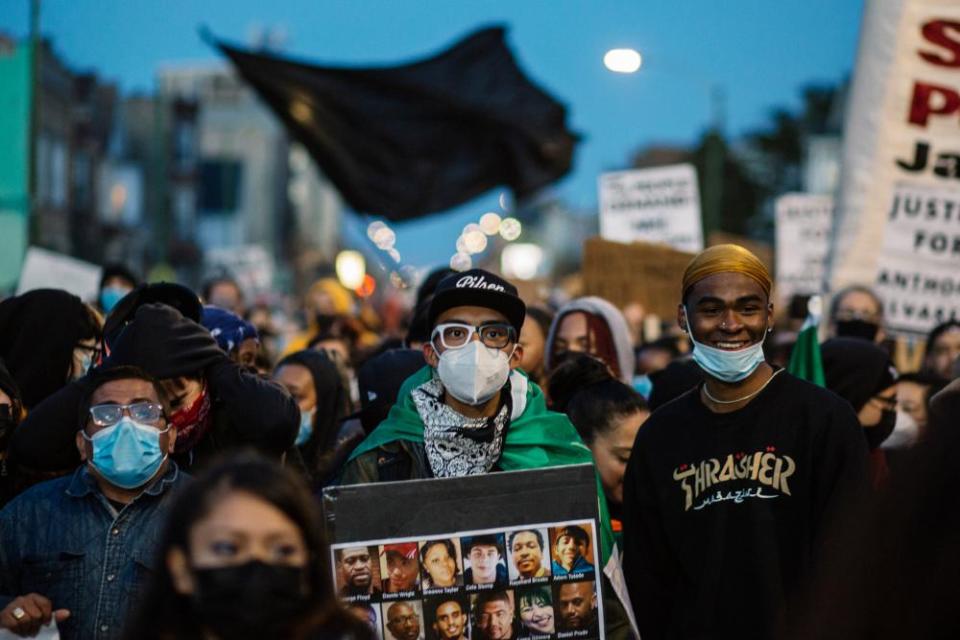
x,y
192,422
455,445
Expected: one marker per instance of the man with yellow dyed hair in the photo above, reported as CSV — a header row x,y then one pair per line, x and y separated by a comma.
x,y
731,486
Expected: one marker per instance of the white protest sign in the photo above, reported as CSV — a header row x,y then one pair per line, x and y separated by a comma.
x,y
918,276
660,205
803,241
896,215
44,269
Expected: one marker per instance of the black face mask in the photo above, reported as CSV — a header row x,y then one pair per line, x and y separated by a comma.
x,y
252,600
882,430
857,329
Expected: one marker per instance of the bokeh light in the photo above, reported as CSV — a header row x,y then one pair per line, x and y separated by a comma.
x,y
475,241
510,229
490,223
460,262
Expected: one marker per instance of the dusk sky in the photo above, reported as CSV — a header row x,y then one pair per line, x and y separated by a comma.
x,y
760,52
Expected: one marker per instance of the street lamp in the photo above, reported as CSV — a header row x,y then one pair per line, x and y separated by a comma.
x,y
628,61
622,60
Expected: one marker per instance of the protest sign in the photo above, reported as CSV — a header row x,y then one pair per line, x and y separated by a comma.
x,y
649,274
660,205
901,164
44,269
803,242
469,557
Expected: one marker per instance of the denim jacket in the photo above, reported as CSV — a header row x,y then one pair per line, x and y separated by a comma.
x,y
64,540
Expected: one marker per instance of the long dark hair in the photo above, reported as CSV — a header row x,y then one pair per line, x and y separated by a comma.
x,y
166,613
584,388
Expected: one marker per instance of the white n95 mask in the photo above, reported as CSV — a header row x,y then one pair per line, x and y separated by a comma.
x,y
474,373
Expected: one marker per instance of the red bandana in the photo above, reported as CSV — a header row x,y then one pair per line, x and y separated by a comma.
x,y
192,422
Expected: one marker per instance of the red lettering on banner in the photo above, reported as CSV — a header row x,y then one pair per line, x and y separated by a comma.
x,y
922,104
937,32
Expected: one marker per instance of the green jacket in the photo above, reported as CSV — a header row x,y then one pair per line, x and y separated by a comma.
x,y
536,437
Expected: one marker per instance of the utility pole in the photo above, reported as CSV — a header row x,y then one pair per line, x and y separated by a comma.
x,y
33,222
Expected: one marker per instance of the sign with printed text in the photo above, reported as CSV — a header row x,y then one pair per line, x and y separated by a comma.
x,y
896,225
803,242
658,205
471,558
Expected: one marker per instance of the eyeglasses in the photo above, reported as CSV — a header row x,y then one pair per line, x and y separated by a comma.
x,y
455,335
107,415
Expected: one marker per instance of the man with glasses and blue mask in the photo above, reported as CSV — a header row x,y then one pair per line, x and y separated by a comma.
x,y
79,549
731,487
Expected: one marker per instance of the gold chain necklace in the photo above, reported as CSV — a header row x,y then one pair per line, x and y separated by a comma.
x,y
746,397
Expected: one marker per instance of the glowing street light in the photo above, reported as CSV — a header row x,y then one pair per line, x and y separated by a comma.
x,y
351,268
622,60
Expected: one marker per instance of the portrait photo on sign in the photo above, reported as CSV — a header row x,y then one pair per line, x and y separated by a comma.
x,y
571,551
400,567
357,572
403,620
493,615
575,604
368,613
529,557
535,611
441,563
484,559
447,617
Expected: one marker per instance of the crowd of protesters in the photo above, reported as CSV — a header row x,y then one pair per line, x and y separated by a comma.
x,y
162,452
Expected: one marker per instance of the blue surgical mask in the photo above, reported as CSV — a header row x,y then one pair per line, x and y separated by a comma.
x,y
306,427
128,454
110,296
86,361
643,385
729,366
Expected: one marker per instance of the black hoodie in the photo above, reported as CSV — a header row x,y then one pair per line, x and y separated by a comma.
x,y
246,410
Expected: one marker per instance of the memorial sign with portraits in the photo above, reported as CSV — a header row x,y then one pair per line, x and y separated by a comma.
x,y
503,556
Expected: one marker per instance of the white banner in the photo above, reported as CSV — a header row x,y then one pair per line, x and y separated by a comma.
x,y
43,269
901,145
652,205
803,241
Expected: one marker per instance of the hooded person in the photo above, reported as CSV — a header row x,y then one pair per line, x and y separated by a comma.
x,y
48,337
115,283
238,338
316,385
470,411
594,326
861,373
731,487
11,408
214,404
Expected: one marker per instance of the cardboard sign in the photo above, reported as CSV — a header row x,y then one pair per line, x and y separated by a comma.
x,y
901,150
659,205
44,269
804,223
473,557
650,274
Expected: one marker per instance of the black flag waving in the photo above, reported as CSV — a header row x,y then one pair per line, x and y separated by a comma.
x,y
406,141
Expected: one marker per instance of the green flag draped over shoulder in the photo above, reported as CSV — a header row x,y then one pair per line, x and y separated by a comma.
x,y
536,438
805,359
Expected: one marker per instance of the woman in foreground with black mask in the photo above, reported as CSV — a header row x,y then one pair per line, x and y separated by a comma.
x,y
242,557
